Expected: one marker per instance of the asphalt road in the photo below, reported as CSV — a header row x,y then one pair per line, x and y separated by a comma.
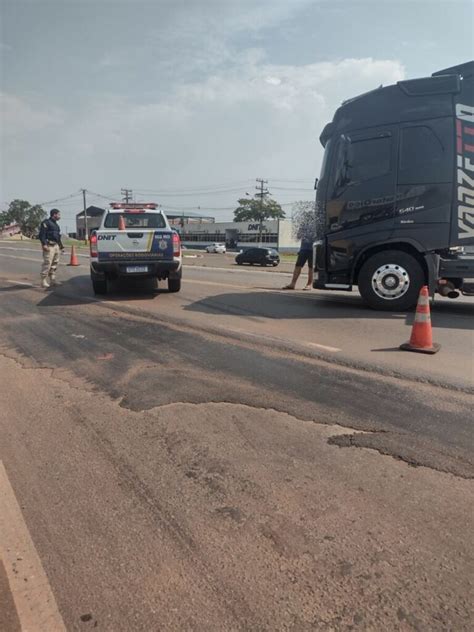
x,y
248,302
179,470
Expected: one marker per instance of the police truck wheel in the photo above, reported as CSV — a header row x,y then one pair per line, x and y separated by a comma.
x,y
391,281
174,285
99,286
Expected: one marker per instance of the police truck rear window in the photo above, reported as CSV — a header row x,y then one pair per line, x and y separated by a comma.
x,y
135,220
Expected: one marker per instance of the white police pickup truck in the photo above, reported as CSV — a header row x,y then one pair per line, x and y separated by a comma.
x,y
135,240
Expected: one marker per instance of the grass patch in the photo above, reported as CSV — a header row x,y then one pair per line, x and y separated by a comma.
x,y
288,257
79,243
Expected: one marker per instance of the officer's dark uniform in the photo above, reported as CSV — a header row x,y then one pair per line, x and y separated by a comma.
x,y
50,235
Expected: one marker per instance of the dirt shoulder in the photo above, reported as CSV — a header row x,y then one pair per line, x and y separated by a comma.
x,y
223,516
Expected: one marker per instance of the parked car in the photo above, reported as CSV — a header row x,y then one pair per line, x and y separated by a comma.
x,y
260,256
217,248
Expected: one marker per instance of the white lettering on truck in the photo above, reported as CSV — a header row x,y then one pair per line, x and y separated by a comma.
x,y
465,156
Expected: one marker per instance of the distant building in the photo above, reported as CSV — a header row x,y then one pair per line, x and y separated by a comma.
x,y
276,233
176,220
94,217
10,230
198,231
181,219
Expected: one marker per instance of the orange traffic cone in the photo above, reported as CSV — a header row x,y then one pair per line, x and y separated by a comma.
x,y
121,225
74,260
421,339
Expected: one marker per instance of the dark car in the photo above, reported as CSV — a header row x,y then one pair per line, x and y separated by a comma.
x,y
260,256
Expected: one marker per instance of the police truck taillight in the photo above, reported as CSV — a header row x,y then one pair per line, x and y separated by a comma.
x,y
176,245
93,245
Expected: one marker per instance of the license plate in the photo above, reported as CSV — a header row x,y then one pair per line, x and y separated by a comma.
x,y
135,269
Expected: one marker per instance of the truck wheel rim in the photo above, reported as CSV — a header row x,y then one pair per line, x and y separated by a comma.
x,y
390,281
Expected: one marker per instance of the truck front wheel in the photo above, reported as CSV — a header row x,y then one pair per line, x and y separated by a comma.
x,y
391,280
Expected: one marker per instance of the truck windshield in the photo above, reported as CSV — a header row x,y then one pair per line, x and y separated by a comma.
x,y
324,165
135,220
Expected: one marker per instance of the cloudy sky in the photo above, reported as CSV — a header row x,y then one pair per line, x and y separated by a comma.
x,y
188,102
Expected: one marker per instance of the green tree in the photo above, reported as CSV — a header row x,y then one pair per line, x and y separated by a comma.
x,y
23,213
258,210
255,210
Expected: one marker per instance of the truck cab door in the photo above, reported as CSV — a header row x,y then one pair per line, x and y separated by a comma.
x,y
360,207
425,182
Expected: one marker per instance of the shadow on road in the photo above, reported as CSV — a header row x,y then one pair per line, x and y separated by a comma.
x,y
283,305
14,288
78,291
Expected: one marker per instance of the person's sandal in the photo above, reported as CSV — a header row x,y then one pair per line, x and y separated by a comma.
x,y
288,287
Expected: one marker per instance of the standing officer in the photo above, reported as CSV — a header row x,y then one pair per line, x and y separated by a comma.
x,y
50,237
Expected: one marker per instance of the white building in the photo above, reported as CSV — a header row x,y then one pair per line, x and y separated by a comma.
x,y
276,233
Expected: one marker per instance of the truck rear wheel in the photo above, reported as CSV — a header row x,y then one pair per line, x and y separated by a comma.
x,y
99,286
391,281
174,285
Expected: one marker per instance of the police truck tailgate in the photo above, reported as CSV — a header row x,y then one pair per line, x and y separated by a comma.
x,y
134,246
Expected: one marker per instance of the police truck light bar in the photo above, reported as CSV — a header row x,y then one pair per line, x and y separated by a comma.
x,y
133,205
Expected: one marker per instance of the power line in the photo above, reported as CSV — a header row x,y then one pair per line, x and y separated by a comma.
x,y
127,195
292,189
211,187
286,180
198,208
67,197
110,198
186,194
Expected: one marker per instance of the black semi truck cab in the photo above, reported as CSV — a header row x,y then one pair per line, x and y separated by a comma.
x,y
395,197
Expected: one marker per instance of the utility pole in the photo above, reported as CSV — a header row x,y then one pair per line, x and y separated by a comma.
x,y
86,230
127,195
263,191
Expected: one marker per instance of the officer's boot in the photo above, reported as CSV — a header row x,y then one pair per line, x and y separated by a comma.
x,y
44,283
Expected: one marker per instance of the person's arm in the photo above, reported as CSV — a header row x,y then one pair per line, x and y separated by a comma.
x,y
42,235
60,241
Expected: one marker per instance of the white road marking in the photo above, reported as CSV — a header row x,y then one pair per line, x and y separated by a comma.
x,y
268,338
61,263
22,258
34,600
217,284
324,347
36,250
238,270
19,283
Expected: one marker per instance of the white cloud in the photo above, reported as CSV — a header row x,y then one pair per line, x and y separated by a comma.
x,y
199,37
19,117
229,126
226,127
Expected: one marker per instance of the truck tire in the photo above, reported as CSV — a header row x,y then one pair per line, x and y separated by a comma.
x,y
174,285
391,281
99,286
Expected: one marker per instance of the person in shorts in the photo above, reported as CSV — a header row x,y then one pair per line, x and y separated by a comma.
x,y
305,255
